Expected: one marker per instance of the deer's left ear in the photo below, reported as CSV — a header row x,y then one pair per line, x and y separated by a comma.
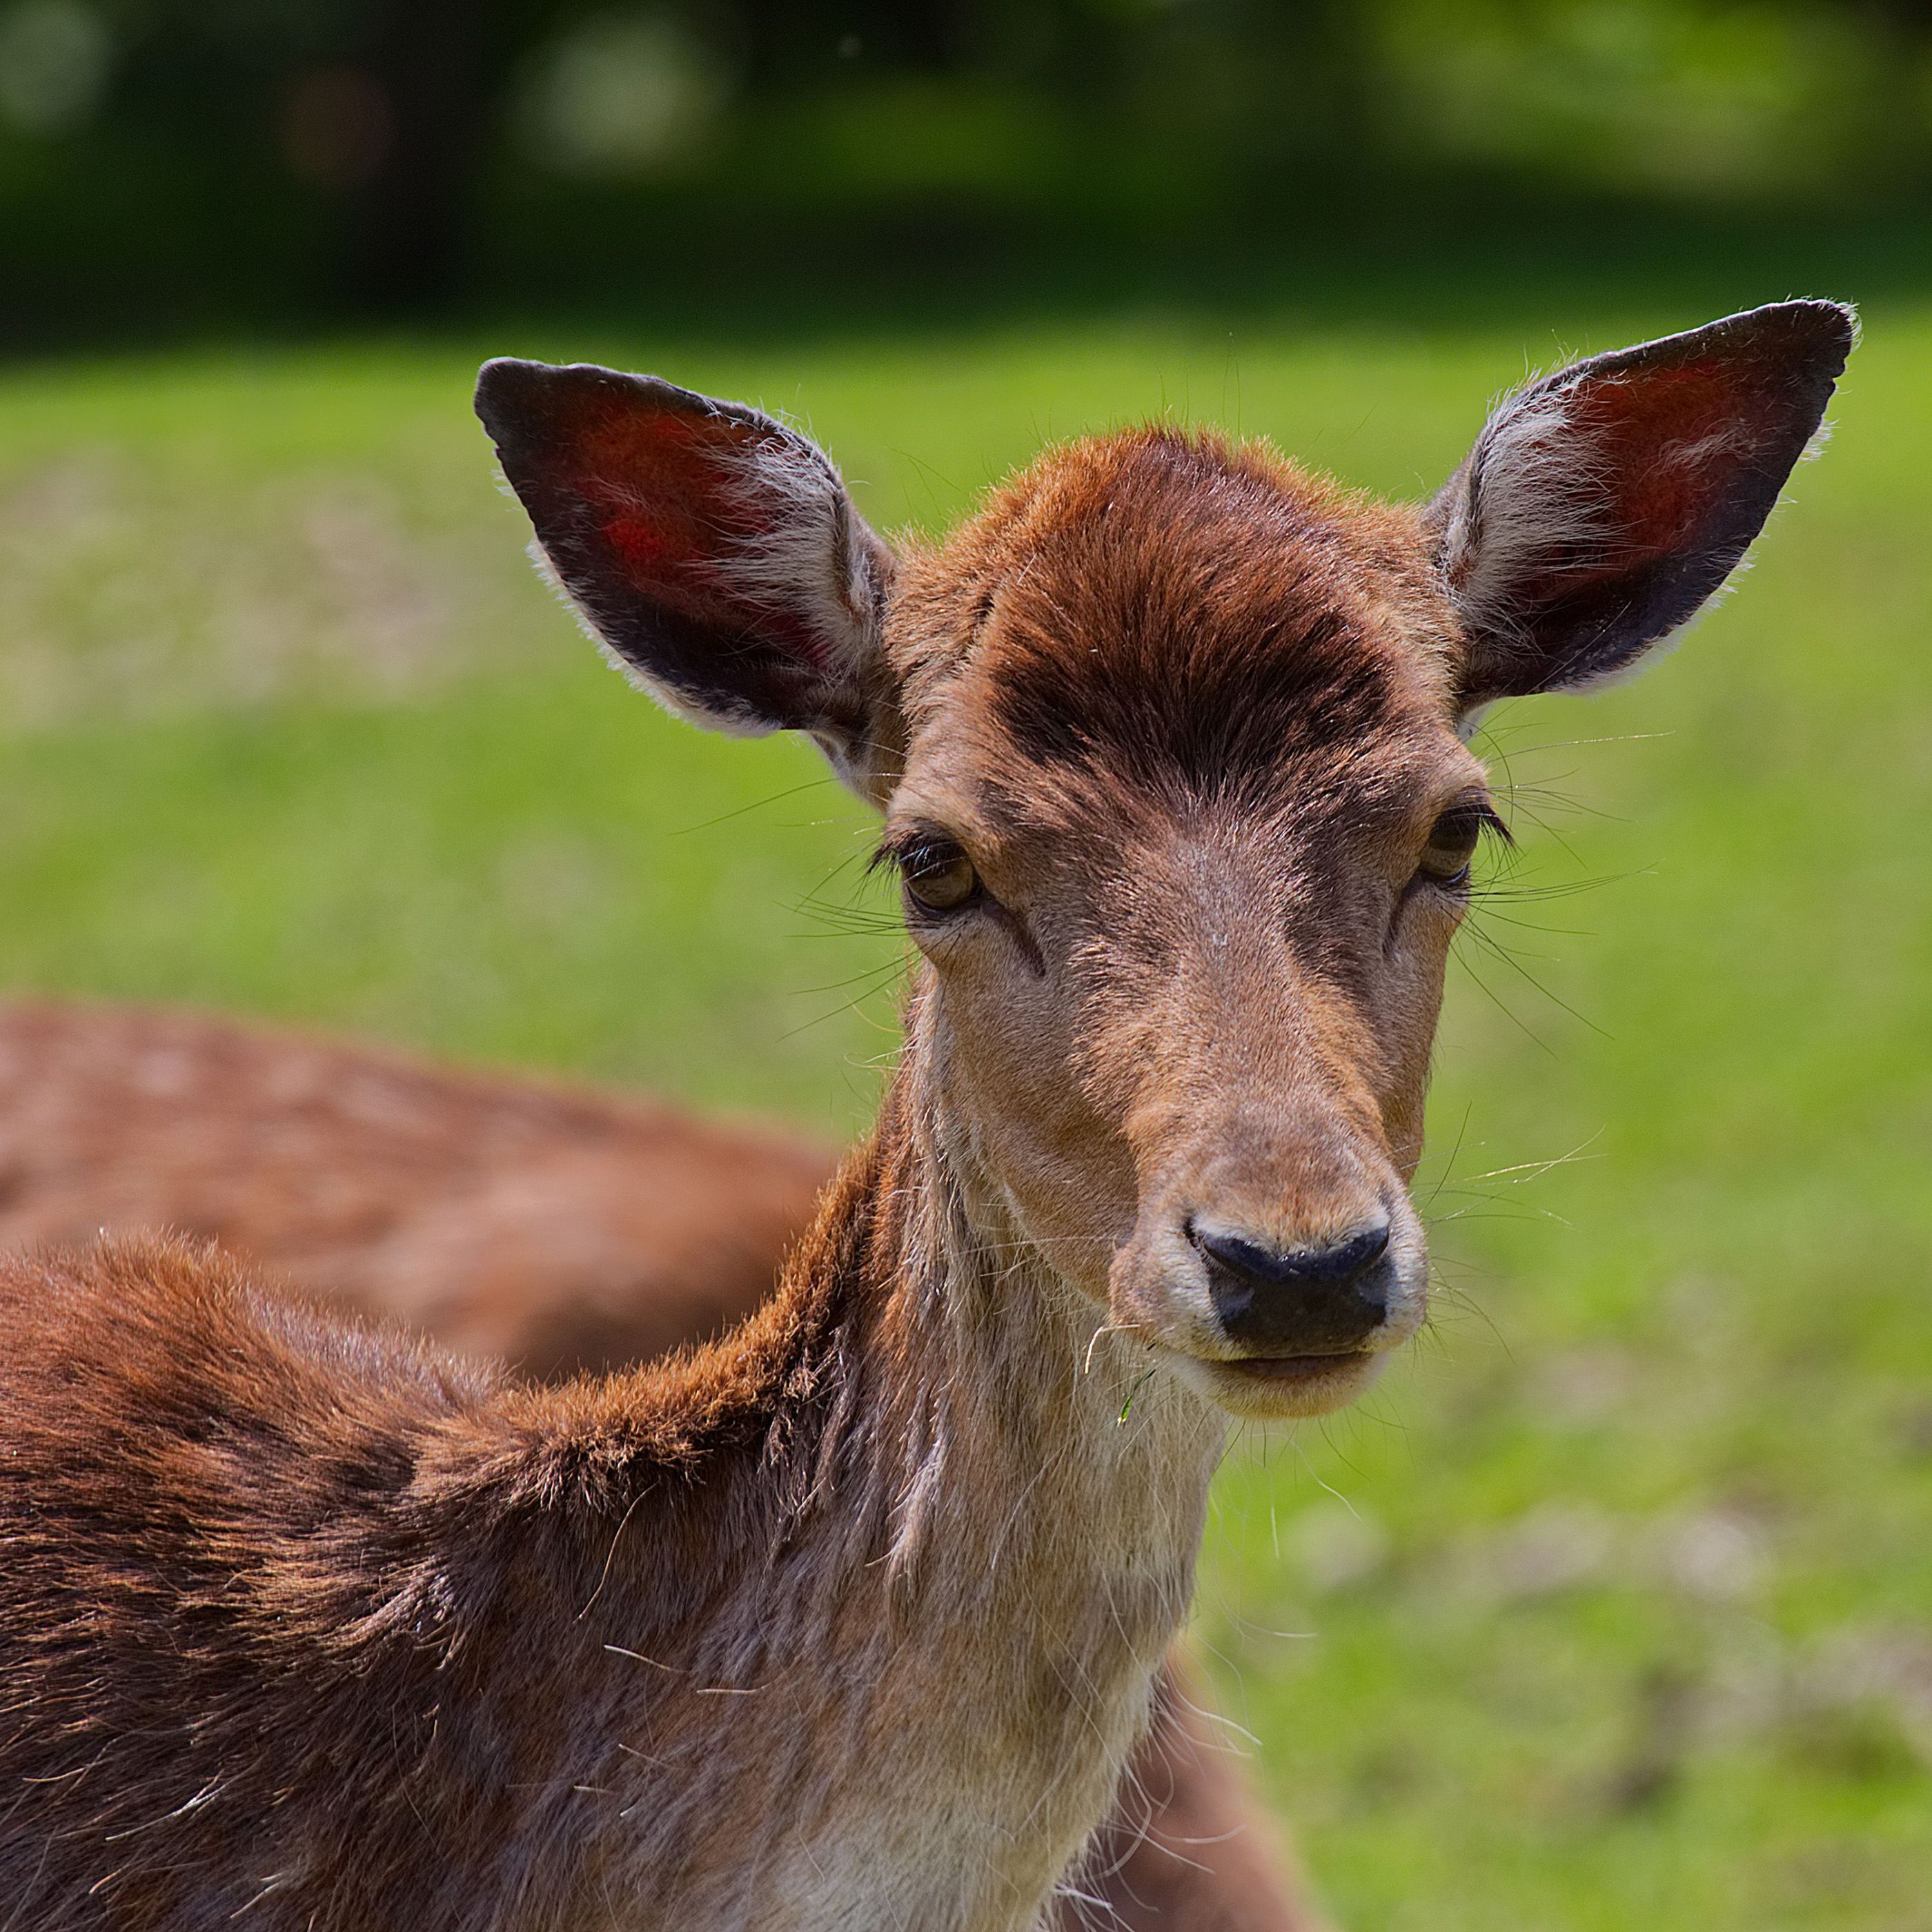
x,y
1604,505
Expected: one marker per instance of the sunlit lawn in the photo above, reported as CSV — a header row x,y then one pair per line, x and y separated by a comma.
x,y
1613,1608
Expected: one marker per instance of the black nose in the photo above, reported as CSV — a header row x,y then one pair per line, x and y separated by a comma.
x,y
1297,1301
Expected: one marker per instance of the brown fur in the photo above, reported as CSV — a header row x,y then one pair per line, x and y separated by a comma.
x,y
560,1229
1240,778
852,1619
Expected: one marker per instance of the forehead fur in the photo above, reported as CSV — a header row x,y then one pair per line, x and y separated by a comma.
x,y
1161,607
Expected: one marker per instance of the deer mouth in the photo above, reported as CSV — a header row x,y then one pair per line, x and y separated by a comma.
x,y
1293,1368
1266,1388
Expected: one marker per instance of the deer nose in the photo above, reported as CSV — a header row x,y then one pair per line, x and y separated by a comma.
x,y
1324,1300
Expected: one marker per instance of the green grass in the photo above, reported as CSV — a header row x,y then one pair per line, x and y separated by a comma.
x,y
1613,1608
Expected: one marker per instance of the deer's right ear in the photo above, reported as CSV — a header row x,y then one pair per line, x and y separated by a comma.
x,y
713,552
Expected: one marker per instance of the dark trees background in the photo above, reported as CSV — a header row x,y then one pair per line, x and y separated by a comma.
x,y
171,162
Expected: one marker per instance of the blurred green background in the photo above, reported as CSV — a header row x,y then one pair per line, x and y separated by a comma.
x,y
1613,1607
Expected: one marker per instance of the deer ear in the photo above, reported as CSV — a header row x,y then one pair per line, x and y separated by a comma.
x,y
713,552
1604,505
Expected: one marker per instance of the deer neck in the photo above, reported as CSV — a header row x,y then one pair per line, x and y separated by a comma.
x,y
978,1518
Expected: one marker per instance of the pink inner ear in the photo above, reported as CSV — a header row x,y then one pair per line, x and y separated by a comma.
x,y
645,550
657,486
664,502
663,485
1665,442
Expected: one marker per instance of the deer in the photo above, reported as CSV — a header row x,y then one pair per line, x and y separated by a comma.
x,y
852,1618
557,1229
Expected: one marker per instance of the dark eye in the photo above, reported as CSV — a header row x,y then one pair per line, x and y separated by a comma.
x,y
1452,845
939,876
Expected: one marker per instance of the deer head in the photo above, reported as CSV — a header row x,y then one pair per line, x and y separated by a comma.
x,y
1169,740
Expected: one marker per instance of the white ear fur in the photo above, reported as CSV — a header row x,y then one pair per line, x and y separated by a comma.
x,y
813,555
1531,490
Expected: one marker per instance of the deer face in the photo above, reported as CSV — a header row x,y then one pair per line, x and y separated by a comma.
x,y
1168,740
1185,830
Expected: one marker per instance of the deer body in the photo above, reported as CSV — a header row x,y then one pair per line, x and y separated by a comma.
x,y
1167,743
520,1703
556,1229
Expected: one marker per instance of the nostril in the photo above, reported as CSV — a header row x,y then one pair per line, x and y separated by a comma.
x,y
1335,1264
1282,1301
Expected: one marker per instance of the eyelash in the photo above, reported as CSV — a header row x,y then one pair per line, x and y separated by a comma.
x,y
940,853
1481,819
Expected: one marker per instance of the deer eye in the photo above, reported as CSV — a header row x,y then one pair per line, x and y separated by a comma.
x,y
939,876
1446,859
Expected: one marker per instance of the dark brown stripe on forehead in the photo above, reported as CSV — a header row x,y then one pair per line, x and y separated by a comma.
x,y
1179,614
1212,714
